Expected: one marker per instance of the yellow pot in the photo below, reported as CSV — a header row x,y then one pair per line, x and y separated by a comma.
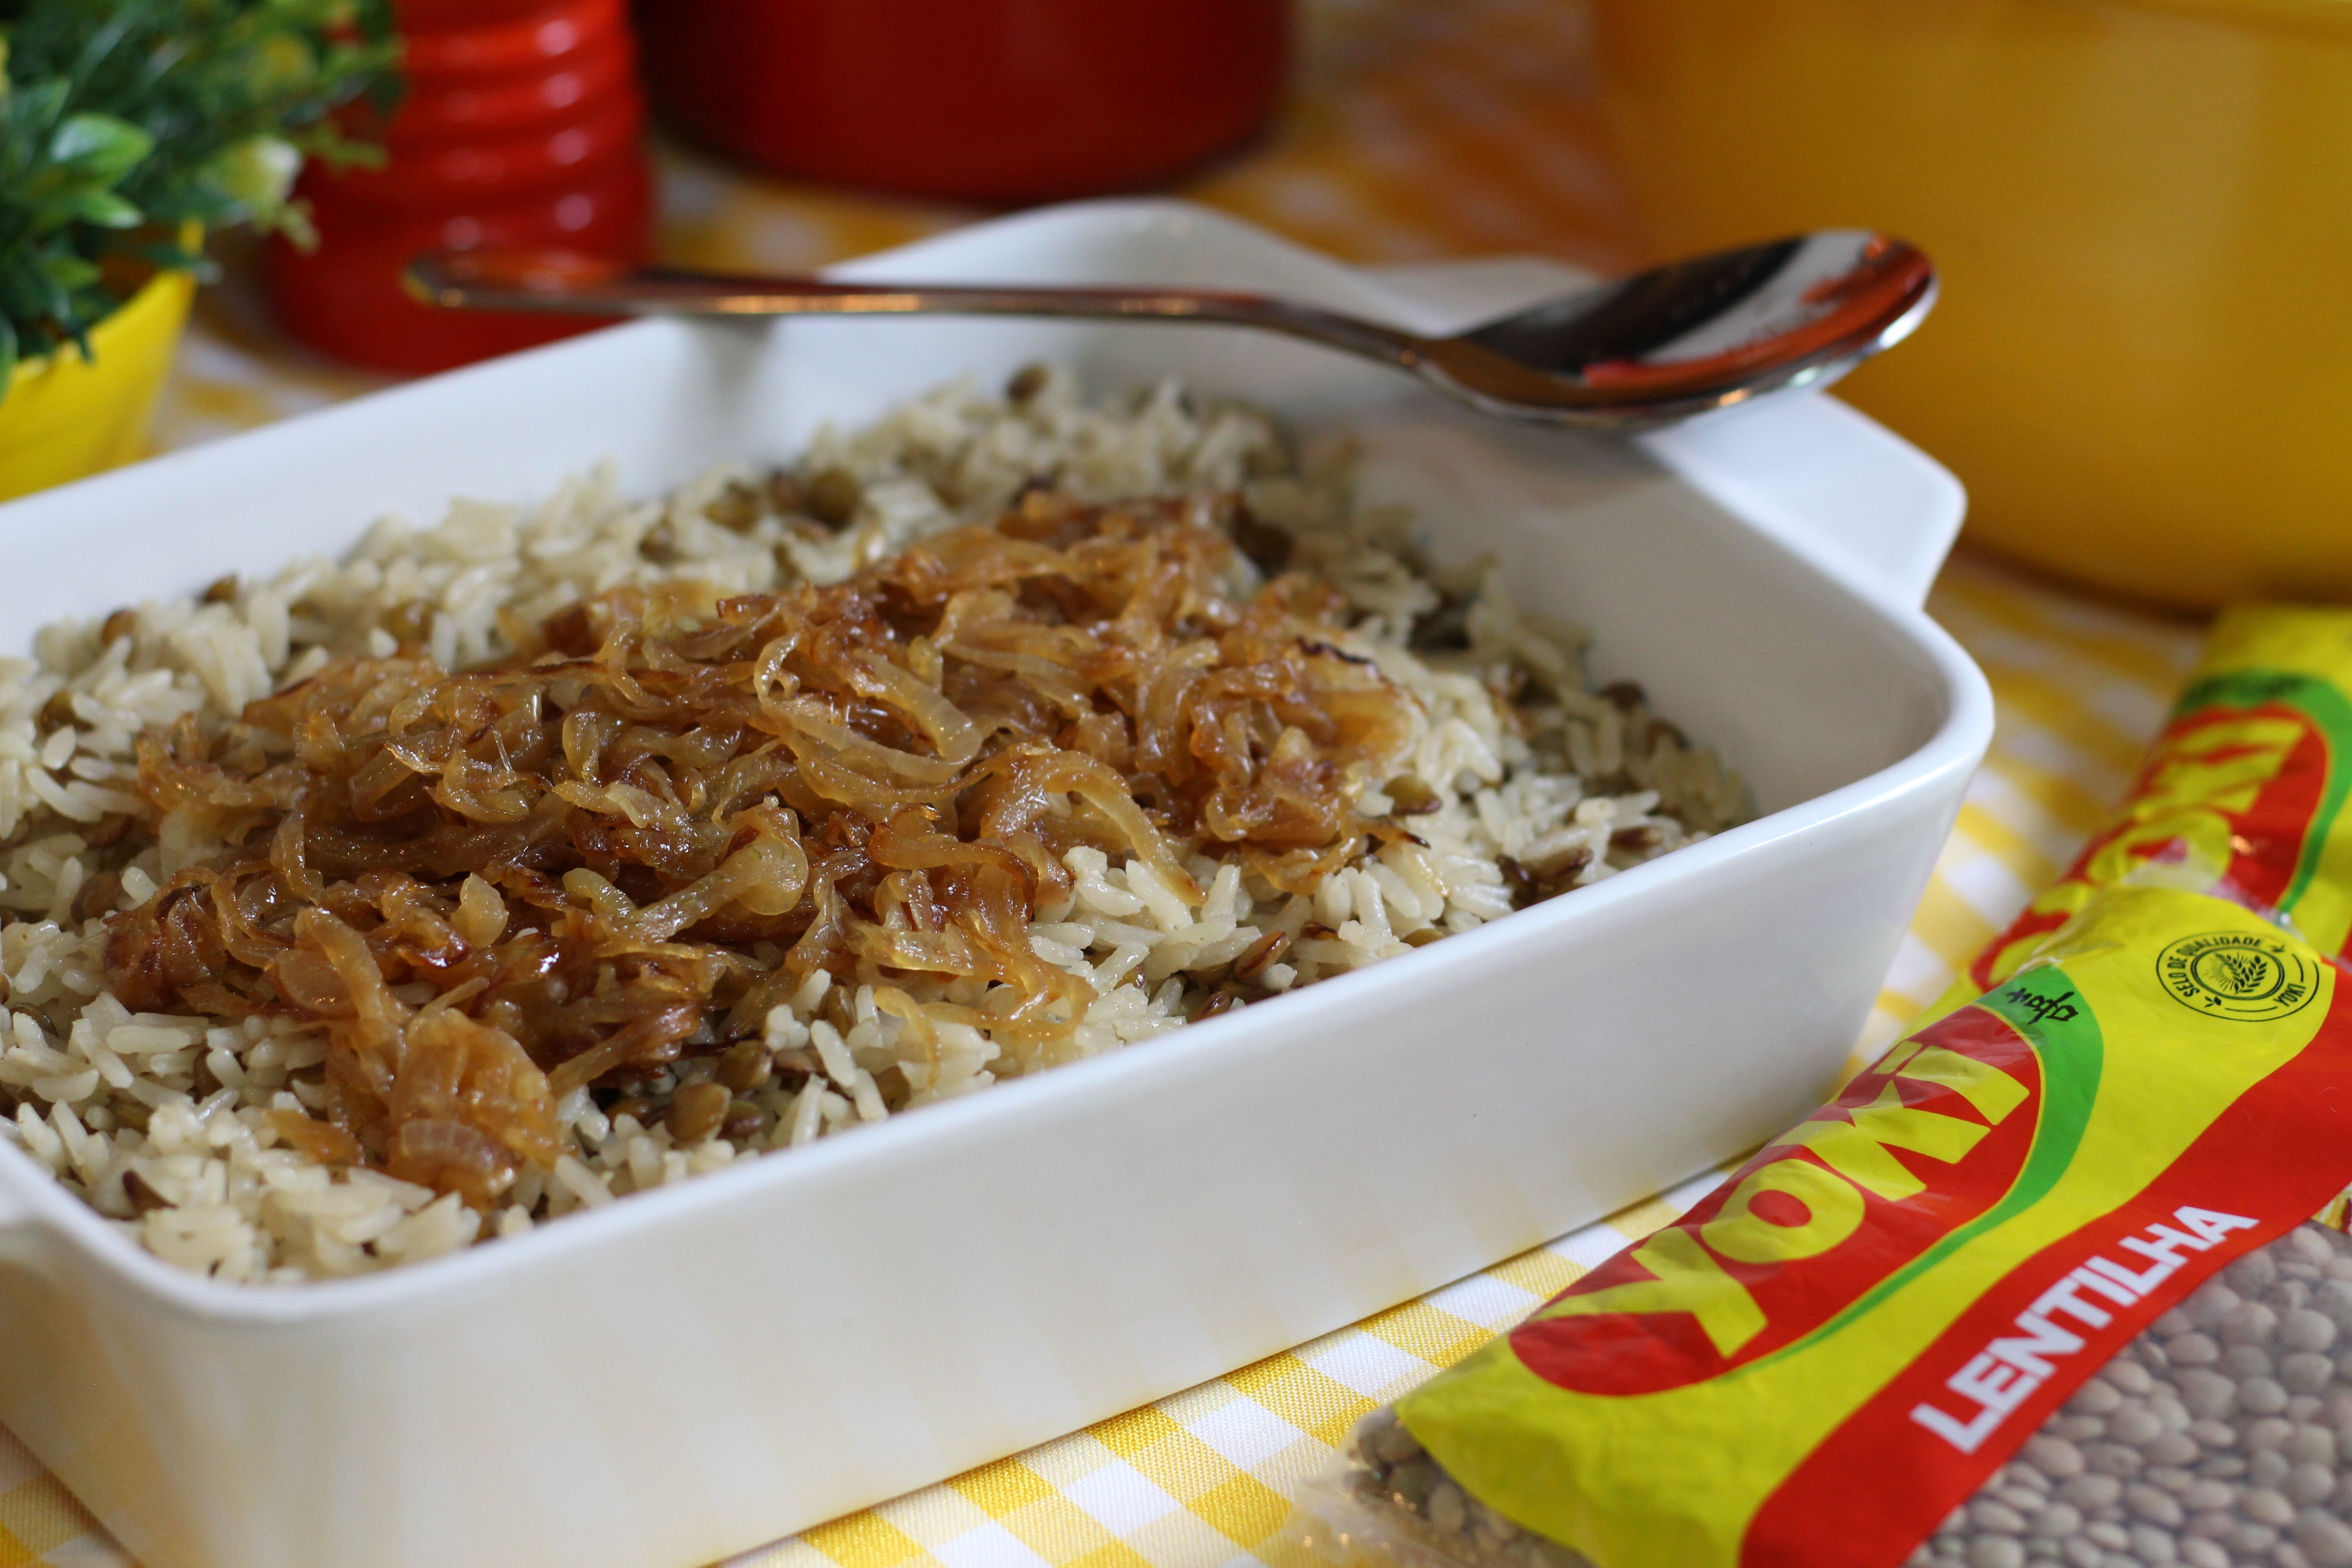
x,y
2142,365
65,417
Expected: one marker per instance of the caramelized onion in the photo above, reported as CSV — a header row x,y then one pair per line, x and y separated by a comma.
x,y
567,868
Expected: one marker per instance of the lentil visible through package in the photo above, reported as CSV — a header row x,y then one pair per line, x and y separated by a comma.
x,y
2221,1436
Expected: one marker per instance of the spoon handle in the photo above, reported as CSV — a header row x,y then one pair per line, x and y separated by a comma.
x,y
493,280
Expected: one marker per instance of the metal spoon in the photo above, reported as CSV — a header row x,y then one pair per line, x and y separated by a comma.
x,y
1657,346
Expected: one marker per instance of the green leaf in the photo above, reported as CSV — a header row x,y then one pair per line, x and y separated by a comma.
x,y
103,208
256,173
294,223
56,207
38,107
68,270
169,256
7,355
127,15
100,144
283,63
122,120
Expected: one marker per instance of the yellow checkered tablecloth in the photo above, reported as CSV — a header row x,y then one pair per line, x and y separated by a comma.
x,y
1421,129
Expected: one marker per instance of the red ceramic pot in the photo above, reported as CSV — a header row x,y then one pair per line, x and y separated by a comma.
x,y
444,40
463,111
522,125
993,100
345,298
467,172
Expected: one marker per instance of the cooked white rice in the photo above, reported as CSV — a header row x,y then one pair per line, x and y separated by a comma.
x,y
161,1122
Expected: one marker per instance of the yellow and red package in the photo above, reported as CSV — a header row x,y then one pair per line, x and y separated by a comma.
x,y
2244,793
1839,1345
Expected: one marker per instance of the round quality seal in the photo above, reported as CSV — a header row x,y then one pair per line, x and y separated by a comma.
x,y
2238,975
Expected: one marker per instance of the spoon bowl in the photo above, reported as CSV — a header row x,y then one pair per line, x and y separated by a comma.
x,y
1643,351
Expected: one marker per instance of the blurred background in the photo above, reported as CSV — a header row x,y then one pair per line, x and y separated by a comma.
x,y
2136,205
1390,130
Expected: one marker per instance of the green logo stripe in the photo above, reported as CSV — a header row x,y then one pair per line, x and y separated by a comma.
x,y
2328,710
2072,1054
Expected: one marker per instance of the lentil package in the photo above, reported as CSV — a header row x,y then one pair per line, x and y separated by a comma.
x,y
2243,793
1876,1340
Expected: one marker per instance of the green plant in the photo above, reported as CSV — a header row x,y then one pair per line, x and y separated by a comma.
x,y
124,122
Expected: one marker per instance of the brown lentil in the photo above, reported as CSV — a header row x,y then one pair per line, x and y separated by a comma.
x,y
1627,695
697,1111
98,895
834,495
143,1198
1026,384
659,545
784,493
1266,950
1411,797
1268,547
410,623
746,1066
1225,999
735,509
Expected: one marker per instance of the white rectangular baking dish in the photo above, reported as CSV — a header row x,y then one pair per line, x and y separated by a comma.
x,y
694,1371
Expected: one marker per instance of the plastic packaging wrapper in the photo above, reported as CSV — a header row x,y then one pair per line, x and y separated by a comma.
x,y
2242,795
2221,1436
1852,1335
2036,1289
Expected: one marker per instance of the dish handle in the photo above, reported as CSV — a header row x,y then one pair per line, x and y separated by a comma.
x,y
1818,476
